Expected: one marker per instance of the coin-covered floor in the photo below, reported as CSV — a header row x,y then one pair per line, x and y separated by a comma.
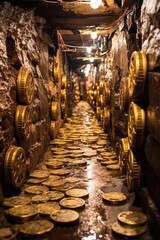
x,y
79,172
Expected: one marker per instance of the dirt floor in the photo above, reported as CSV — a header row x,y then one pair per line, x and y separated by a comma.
x,y
97,216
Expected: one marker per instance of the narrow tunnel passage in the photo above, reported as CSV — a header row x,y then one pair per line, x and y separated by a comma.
x,y
80,158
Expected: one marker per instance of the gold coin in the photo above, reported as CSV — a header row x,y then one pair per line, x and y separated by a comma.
x,y
63,188
52,183
100,159
60,172
106,154
113,167
58,142
63,152
108,162
65,217
100,150
55,195
48,208
133,218
96,146
35,180
77,192
130,232
7,233
21,213
53,177
74,155
73,147
40,198
54,164
102,142
39,174
72,179
72,202
16,201
36,189
76,151
36,227
114,197
89,154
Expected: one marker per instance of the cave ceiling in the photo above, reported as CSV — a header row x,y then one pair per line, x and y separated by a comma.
x,y
74,20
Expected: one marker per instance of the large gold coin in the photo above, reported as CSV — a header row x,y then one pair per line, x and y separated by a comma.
x,y
54,165
36,189
55,195
114,197
130,232
113,167
21,213
132,218
60,172
77,192
72,179
40,198
48,208
39,174
7,233
36,227
65,217
52,183
16,201
71,202
15,167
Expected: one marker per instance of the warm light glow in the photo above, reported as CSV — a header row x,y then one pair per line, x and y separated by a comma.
x,y
95,4
89,49
93,35
91,60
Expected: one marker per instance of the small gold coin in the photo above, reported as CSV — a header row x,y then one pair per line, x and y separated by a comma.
x,y
108,162
77,192
133,218
65,217
113,167
21,213
106,154
60,172
73,147
75,155
7,233
53,177
63,188
48,208
40,198
100,159
100,150
114,197
55,195
72,179
130,232
62,152
36,189
39,174
71,202
95,146
58,142
90,154
16,201
36,227
102,142
52,183
54,165
35,180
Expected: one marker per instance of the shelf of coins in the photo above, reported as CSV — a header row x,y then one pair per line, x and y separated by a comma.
x,y
106,120
124,99
137,74
15,167
25,85
133,172
123,154
136,125
54,110
23,122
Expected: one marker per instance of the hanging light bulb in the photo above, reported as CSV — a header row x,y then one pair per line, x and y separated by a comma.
x,y
93,35
95,4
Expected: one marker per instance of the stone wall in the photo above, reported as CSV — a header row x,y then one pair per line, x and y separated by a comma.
x,y
23,43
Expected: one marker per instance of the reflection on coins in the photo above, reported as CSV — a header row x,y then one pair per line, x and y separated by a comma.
x,y
71,202
40,198
36,227
133,218
114,197
65,217
130,232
